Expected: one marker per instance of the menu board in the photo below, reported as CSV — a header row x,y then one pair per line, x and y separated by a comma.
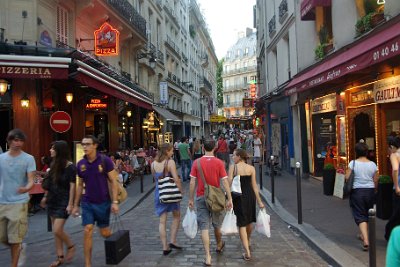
x,y
339,183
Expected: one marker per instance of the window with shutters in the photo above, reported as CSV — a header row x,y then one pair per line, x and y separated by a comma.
x,y
62,25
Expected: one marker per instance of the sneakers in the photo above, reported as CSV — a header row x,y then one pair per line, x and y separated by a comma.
x,y
22,255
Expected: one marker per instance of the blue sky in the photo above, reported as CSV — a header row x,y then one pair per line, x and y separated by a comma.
x,y
225,18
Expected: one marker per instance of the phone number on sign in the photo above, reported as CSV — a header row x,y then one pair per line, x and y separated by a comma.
x,y
386,51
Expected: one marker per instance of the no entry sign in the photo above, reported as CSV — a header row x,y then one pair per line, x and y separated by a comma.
x,y
60,121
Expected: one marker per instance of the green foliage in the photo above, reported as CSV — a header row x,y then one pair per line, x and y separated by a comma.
x,y
319,52
385,179
192,31
370,6
364,24
329,166
220,96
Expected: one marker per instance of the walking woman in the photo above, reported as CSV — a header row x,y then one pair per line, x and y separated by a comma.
x,y
59,198
164,165
244,205
197,150
362,197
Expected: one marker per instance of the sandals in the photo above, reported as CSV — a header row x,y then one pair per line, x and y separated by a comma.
x,y
70,253
58,262
365,247
221,249
172,245
245,257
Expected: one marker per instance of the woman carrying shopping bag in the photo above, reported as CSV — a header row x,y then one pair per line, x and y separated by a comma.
x,y
163,166
244,202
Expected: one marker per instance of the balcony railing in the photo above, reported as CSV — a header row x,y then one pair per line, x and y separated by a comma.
x,y
240,70
172,44
233,104
283,10
129,13
272,26
236,87
160,56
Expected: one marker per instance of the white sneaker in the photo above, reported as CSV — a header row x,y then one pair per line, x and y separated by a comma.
x,y
22,255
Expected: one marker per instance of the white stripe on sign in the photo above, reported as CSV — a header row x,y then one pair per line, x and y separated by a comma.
x,y
60,121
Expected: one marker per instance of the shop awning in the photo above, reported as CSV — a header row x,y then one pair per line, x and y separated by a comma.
x,y
307,8
352,58
166,114
94,78
33,67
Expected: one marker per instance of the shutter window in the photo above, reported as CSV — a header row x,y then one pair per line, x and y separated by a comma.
x,y
62,25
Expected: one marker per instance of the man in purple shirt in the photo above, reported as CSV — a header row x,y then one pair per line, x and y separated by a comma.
x,y
96,171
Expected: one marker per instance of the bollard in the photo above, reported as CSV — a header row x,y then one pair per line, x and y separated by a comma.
x,y
141,183
372,237
272,180
299,204
261,175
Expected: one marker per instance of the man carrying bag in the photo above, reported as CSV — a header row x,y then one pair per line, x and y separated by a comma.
x,y
210,170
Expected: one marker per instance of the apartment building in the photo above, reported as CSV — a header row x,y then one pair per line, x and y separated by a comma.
x,y
239,77
327,69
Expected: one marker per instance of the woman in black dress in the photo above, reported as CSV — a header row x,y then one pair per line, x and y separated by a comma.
x,y
244,205
59,198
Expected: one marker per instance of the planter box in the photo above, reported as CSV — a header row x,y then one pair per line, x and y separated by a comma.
x,y
328,181
384,201
328,48
376,19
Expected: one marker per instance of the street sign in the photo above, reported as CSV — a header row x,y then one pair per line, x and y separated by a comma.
x,y
60,121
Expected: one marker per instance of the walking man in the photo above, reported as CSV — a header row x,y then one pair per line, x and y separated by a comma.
x,y
214,172
96,171
186,157
17,170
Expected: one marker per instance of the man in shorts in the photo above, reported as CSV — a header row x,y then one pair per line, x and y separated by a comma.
x,y
96,171
17,170
214,171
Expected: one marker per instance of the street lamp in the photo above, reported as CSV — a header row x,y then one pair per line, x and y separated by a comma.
x,y
3,87
25,101
152,59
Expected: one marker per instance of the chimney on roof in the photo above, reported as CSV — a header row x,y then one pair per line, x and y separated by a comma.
x,y
249,32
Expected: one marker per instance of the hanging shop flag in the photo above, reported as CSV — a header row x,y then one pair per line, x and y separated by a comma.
x,y
164,93
106,40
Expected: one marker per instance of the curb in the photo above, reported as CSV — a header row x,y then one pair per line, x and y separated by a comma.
x,y
327,249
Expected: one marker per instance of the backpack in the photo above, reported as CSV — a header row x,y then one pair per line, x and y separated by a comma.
x,y
214,196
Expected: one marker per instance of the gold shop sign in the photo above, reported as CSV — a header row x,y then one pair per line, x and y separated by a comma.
x,y
33,72
387,90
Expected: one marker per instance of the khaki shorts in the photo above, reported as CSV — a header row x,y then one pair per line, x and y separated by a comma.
x,y
13,222
204,216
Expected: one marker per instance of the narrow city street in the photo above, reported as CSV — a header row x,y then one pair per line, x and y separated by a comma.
x,y
284,248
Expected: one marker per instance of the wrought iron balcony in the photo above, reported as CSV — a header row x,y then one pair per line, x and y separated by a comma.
x,y
160,56
272,26
129,13
283,10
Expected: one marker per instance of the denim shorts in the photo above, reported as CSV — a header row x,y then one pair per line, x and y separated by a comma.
x,y
204,215
96,213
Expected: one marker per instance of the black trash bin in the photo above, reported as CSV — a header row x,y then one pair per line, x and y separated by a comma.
x,y
384,201
328,182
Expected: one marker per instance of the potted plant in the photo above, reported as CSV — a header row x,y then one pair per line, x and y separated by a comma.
x,y
319,52
376,18
360,27
328,176
384,197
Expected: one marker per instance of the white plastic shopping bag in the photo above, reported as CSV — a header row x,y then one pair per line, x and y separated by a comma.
x,y
229,226
189,223
262,224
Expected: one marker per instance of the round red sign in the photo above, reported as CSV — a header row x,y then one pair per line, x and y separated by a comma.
x,y
60,121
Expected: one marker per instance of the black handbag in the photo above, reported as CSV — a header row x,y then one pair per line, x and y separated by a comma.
x,y
348,185
118,245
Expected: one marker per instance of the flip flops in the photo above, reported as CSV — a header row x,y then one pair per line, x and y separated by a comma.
x,y
221,249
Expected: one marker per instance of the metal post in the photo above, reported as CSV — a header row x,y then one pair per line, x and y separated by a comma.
x,y
261,175
272,172
372,237
299,204
141,182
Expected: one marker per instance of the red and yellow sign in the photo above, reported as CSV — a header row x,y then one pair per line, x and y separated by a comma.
x,y
95,103
106,41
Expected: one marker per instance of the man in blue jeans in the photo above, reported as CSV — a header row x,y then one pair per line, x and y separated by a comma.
x,y
186,158
96,171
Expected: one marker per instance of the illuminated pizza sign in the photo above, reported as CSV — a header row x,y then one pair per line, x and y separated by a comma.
x,y
95,103
106,40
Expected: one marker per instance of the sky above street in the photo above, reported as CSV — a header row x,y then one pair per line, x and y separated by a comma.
x,y
225,18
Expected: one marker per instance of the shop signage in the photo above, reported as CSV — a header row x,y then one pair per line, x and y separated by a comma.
x,y
360,97
33,72
387,90
253,90
247,102
164,93
106,40
324,104
60,121
358,57
96,103
217,118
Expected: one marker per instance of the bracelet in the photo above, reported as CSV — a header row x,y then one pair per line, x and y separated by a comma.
x,y
115,202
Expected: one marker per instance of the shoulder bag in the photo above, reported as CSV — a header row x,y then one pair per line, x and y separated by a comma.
x,y
167,189
214,196
348,185
122,194
236,187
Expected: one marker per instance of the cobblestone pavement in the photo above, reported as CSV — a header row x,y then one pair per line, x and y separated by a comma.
x,y
284,248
